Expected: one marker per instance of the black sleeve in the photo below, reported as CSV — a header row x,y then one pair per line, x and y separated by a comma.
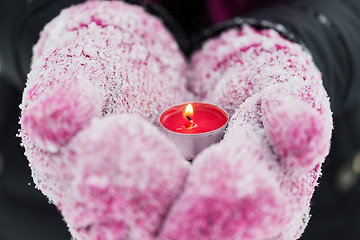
x,y
330,30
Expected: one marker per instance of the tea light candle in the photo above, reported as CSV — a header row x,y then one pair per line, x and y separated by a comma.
x,y
194,126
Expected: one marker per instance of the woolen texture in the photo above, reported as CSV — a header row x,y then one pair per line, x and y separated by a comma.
x,y
98,82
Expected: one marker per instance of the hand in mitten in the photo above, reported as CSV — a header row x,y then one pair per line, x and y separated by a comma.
x,y
257,183
114,176
110,174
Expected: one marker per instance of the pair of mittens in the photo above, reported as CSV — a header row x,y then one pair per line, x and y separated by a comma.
x,y
101,74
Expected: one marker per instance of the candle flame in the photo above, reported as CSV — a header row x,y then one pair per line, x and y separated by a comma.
x,y
188,114
189,110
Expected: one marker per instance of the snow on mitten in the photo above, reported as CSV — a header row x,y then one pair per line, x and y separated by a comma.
x,y
257,183
126,178
230,194
120,58
95,59
114,176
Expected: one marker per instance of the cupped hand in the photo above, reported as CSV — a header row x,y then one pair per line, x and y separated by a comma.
x,y
101,74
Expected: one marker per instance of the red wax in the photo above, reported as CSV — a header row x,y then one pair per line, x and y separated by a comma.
x,y
205,118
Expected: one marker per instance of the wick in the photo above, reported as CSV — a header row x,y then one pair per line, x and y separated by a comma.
x,y
191,123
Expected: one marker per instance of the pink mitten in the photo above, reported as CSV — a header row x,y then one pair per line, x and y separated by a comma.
x,y
91,62
101,74
281,125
